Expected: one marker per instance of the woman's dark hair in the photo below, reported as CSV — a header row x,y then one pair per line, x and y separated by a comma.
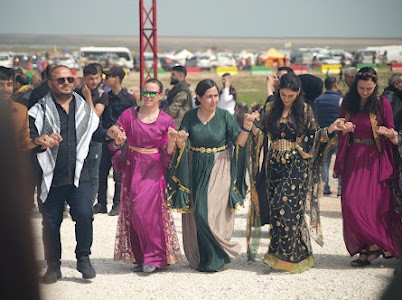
x,y
157,81
351,101
203,86
272,119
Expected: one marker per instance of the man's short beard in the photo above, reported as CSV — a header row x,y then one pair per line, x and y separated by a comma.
x,y
62,96
174,81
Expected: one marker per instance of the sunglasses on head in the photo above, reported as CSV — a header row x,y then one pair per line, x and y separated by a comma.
x,y
151,94
61,80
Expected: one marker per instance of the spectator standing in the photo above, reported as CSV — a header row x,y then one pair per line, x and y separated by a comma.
x,y
327,111
394,94
96,98
179,99
22,90
17,111
349,76
118,100
41,90
227,94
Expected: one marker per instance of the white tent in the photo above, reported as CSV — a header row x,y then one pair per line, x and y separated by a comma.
x,y
183,55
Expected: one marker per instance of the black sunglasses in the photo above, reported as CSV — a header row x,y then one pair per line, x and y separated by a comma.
x,y
151,94
61,80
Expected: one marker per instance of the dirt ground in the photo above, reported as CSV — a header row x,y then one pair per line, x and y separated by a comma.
x,y
332,278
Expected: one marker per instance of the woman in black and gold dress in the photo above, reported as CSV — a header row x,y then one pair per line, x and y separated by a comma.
x,y
287,184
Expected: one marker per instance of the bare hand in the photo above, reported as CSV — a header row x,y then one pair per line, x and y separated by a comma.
x,y
172,135
86,92
248,120
389,133
340,125
46,141
272,81
226,81
115,133
181,136
256,115
57,137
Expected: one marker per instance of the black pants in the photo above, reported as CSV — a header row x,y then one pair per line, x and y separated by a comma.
x,y
104,169
80,202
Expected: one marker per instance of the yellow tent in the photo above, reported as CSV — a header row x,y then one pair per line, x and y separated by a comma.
x,y
274,58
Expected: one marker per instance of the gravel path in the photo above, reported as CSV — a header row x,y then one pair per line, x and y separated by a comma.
x,y
332,278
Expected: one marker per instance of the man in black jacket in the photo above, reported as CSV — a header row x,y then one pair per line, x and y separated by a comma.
x,y
119,99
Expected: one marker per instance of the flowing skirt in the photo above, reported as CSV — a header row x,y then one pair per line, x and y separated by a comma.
x,y
145,231
368,205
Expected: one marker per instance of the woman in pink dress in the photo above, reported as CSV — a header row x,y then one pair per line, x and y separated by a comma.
x,y
146,233
365,165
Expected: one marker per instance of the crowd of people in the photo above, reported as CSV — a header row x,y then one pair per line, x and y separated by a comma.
x,y
192,155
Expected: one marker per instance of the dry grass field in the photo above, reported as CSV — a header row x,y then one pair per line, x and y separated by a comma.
x,y
250,88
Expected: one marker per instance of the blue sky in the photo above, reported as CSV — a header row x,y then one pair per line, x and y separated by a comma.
x,y
209,18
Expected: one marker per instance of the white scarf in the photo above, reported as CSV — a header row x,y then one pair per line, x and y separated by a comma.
x,y
47,121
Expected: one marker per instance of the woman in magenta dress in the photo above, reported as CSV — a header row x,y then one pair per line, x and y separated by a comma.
x,y
145,232
365,165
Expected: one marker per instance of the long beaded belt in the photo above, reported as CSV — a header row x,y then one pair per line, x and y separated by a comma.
x,y
283,145
144,150
208,150
364,141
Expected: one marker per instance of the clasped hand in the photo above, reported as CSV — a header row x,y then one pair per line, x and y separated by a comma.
x,y
177,137
116,134
389,133
249,119
340,125
48,141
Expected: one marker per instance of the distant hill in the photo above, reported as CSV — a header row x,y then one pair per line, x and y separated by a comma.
x,y
32,43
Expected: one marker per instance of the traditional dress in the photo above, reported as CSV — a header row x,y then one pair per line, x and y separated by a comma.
x,y
217,186
365,165
284,190
145,231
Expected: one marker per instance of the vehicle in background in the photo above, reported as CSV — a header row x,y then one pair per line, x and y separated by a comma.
x,y
225,59
66,60
107,56
392,55
365,56
167,63
148,60
6,59
203,62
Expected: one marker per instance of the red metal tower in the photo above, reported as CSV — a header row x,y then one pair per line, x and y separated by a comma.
x,y
148,39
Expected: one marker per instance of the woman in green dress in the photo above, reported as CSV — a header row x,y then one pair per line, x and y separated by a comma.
x,y
207,179
290,178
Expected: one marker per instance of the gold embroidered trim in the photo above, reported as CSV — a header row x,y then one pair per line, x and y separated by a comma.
x,y
278,264
208,150
283,146
364,141
374,127
181,186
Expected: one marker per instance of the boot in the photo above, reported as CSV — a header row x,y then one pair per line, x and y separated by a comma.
x,y
84,266
52,274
